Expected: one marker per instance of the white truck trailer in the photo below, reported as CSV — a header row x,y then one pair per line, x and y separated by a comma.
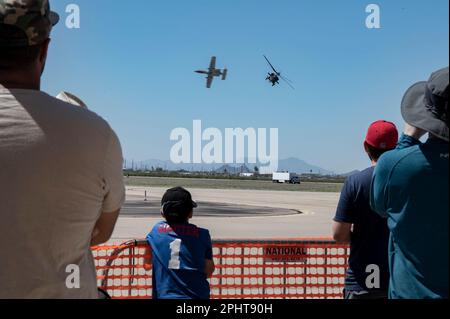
x,y
286,177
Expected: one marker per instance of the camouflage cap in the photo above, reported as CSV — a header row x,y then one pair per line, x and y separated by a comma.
x,y
33,17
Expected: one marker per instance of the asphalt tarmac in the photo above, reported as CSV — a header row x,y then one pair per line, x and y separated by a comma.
x,y
151,208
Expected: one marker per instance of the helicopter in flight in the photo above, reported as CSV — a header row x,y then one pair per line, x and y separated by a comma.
x,y
275,76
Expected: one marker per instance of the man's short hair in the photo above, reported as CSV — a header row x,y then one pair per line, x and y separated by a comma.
x,y
375,153
13,58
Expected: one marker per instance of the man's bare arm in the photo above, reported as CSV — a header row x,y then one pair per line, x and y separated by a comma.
x,y
414,132
104,228
209,268
342,232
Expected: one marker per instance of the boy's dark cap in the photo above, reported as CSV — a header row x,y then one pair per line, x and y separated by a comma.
x,y
177,201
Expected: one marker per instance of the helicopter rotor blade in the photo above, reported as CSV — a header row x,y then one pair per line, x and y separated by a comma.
x,y
271,65
287,82
286,79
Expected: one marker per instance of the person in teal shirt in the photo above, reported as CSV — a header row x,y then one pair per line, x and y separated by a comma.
x,y
410,187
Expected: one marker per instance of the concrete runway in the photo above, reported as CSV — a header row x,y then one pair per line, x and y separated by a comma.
x,y
236,214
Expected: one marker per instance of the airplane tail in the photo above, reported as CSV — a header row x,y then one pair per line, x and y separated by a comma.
x,y
224,74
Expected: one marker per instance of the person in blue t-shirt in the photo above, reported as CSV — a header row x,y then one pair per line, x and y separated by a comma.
x,y
182,255
410,187
356,223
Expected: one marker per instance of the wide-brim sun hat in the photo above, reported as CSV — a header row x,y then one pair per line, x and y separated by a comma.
x,y
425,104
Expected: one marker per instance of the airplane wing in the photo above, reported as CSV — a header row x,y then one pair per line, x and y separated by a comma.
x,y
212,65
209,81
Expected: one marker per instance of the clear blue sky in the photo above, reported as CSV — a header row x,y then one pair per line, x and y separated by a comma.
x,y
132,62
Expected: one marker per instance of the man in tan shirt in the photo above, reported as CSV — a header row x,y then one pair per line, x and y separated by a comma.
x,y
61,183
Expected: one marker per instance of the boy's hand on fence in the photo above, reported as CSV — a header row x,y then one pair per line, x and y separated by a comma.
x,y
147,259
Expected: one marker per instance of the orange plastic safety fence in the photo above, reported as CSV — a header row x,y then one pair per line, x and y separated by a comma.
x,y
272,269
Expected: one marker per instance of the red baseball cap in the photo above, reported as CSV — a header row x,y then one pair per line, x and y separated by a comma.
x,y
382,135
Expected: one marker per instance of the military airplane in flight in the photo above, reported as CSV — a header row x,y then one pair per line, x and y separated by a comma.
x,y
213,72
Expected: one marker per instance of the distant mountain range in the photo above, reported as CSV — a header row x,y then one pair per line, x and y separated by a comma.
x,y
293,165
299,166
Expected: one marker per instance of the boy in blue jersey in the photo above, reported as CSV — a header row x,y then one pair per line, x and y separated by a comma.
x,y
182,252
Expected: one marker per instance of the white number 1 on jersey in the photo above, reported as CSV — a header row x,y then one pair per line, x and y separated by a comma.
x,y
174,262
